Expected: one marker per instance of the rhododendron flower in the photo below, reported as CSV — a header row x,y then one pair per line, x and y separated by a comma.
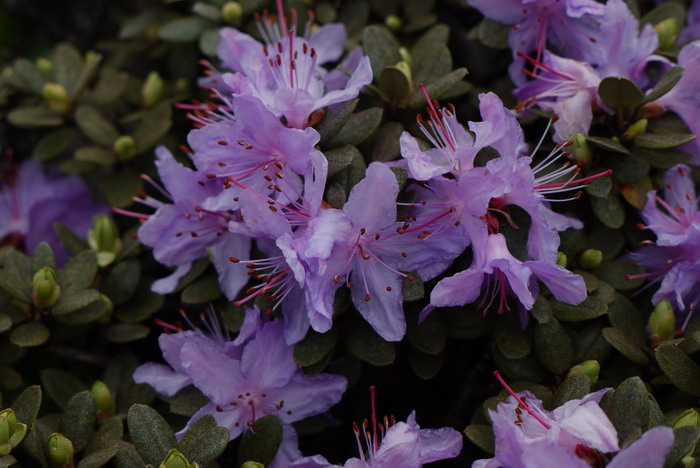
x,y
576,434
183,231
284,73
30,202
567,25
684,97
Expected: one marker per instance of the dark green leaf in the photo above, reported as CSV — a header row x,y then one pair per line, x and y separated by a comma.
x,y
142,306
680,368
54,144
542,310
684,440
481,436
438,87
394,83
69,239
60,385
364,343
17,287
335,120
608,144
203,290
262,442
33,117
188,401
359,127
121,187
662,140
5,322
95,155
153,126
666,83
30,334
26,405
79,419
614,273
121,282
100,457
95,126
493,34
314,347
10,379
632,408
340,158
185,29
128,456
67,65
624,316
664,158
509,337
426,366
636,193
78,273
386,142
627,168
110,431
71,302
204,441
428,337
573,387
600,187
125,332
591,308
625,344
87,314
43,257
150,433
381,47
617,92
6,461
609,211
554,347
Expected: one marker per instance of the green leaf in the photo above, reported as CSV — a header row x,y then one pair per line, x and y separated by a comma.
x,y
617,92
185,29
95,126
428,57
60,385
144,304
125,332
67,65
608,144
625,344
87,314
209,41
509,337
680,368
78,273
10,379
72,302
572,388
364,343
394,83
425,366
632,408
589,309
30,334
95,155
614,273
666,83
314,347
121,282
359,127
153,126
54,144
554,347
33,117
150,433
17,287
110,431
428,337
663,140
121,187
188,401
481,436
204,441
627,168
438,88
609,211
69,239
128,456
79,419
26,405
493,34
600,187
6,461
203,290
381,47
5,322
664,158
43,257
684,441
99,458
624,316
636,193
335,119
340,158
386,145
262,442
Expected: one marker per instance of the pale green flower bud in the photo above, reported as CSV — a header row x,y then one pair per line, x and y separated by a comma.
x,y
591,258
57,98
581,150
393,22
405,55
175,459
152,89
104,239
590,368
668,32
252,464
44,66
687,418
561,259
662,322
232,12
60,450
46,290
104,399
637,128
125,147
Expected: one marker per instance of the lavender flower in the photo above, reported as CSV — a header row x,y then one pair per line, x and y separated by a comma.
x,y
574,435
30,202
184,231
284,73
692,30
684,98
567,25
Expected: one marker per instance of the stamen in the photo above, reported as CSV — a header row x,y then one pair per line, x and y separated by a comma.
x,y
520,401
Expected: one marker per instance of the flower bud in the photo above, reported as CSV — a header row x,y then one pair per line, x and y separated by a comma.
x,y
590,368
232,12
107,315
57,98
590,258
60,450
152,89
46,290
174,459
104,239
668,32
405,68
637,128
325,13
688,461
405,55
581,150
44,66
393,22
104,399
252,464
11,432
662,322
124,147
561,259
687,418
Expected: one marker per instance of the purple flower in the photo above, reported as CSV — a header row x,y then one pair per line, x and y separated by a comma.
x,y
400,444
567,25
574,435
673,260
504,276
684,98
285,72
252,149
566,88
183,231
692,30
30,202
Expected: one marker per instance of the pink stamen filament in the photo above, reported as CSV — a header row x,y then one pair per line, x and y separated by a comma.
x,y
579,181
428,223
283,20
374,417
266,286
438,120
521,403
133,214
540,41
166,325
542,65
